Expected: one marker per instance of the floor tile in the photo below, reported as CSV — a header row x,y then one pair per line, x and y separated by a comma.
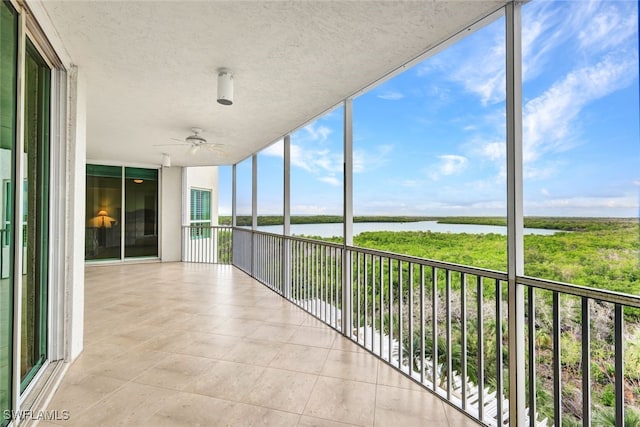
x,y
226,380
342,400
188,409
176,371
192,344
401,406
300,358
351,366
280,389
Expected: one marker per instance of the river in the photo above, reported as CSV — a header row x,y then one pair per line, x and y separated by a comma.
x,y
330,230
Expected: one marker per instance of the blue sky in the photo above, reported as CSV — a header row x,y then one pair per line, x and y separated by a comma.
x,y
431,141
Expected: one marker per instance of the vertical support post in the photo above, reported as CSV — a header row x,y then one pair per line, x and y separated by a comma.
x,y
286,212
531,322
515,221
586,363
347,282
557,360
234,214
18,236
619,362
234,196
254,211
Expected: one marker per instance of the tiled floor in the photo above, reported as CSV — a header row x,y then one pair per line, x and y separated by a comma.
x,y
194,344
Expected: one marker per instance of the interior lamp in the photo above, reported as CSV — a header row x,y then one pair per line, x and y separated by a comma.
x,y
225,87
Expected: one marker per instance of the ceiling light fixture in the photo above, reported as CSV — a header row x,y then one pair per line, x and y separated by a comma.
x,y
225,87
138,181
166,160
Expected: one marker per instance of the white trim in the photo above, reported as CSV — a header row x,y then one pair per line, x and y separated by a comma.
x,y
159,207
124,164
254,191
286,199
57,209
123,213
234,191
42,19
18,216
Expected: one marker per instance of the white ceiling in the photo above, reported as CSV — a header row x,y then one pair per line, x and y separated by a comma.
x,y
151,65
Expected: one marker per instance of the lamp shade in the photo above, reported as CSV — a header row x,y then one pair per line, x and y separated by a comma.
x,y
225,87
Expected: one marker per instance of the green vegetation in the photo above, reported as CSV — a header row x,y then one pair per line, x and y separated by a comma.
x,y
596,252
601,253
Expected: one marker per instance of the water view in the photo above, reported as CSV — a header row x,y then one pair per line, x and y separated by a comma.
x,y
335,229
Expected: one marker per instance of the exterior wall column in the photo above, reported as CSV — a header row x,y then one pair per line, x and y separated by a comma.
x,y
515,221
347,280
254,212
286,212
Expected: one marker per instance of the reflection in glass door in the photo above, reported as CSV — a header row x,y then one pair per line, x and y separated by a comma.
x,y
8,91
104,212
141,212
35,221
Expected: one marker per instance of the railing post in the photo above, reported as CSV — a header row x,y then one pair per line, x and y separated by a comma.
x,y
515,221
347,276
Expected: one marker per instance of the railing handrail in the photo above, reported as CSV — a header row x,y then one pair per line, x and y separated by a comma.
x,y
205,226
603,295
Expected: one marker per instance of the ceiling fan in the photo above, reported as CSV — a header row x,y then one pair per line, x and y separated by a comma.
x,y
196,142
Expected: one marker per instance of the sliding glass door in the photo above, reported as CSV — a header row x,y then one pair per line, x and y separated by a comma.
x,y
104,212
113,219
35,215
141,212
8,96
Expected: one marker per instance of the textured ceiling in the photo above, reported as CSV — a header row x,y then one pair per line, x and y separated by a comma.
x,y
151,65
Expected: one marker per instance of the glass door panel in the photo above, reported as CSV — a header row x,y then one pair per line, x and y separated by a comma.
x,y
35,218
103,232
8,73
141,212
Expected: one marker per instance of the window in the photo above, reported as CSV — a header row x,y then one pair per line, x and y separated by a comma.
x,y
200,214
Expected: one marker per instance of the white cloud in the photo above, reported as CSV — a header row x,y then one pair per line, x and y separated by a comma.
x,y
545,192
636,182
331,180
274,150
315,160
310,209
493,151
596,203
371,159
391,96
317,133
548,119
411,183
449,164
609,25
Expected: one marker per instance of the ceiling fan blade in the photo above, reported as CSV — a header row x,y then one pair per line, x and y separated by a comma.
x,y
215,148
169,145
